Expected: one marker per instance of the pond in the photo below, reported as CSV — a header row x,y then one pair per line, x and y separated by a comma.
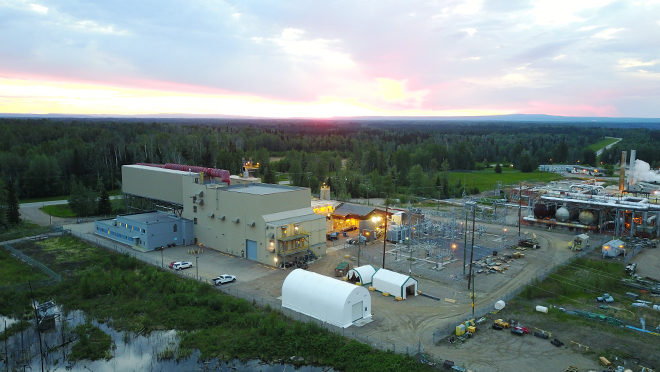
x,y
129,351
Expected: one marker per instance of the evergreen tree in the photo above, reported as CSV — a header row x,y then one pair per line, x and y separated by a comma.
x,y
104,206
3,205
82,200
13,215
498,168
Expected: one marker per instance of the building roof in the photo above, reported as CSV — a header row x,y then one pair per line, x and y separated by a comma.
x,y
347,209
317,203
324,298
156,169
364,273
151,217
260,189
292,216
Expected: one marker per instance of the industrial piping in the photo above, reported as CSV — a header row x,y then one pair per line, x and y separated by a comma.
x,y
212,172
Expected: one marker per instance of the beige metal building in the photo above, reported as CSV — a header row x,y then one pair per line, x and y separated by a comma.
x,y
268,223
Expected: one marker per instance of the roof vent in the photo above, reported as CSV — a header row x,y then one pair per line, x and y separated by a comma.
x,y
211,215
222,218
235,220
201,202
251,223
200,193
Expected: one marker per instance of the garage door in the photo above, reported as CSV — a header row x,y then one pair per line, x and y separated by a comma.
x,y
251,249
358,313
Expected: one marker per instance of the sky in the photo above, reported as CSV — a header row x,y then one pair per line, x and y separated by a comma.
x,y
331,58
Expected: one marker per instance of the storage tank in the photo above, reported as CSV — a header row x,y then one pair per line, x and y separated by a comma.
x,y
566,214
552,209
540,211
587,217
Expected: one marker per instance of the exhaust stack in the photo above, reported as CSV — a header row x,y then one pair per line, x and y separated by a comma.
x,y
622,172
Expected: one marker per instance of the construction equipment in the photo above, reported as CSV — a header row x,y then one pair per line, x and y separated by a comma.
x,y
502,323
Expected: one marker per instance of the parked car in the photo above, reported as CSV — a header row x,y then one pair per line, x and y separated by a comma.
x,y
182,265
524,329
497,327
517,332
171,265
540,334
224,278
332,236
557,343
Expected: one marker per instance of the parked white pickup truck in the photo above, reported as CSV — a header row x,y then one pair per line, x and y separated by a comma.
x,y
222,279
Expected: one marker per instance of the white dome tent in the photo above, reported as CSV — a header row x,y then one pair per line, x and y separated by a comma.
x,y
329,300
362,274
394,283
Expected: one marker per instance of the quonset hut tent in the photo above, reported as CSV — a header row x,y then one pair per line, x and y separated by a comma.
x,y
394,283
362,274
326,299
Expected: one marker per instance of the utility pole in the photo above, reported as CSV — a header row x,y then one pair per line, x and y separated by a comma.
x,y
387,199
465,242
474,209
359,248
36,321
409,241
519,208
384,238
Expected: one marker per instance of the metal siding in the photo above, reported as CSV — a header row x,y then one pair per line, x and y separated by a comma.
x,y
251,246
357,312
153,183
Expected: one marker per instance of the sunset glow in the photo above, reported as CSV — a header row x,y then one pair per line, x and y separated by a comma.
x,y
456,58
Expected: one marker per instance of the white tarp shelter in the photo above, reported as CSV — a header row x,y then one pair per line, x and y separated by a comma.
x,y
362,274
613,248
327,299
394,283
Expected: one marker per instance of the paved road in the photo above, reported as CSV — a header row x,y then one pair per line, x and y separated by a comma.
x,y
32,213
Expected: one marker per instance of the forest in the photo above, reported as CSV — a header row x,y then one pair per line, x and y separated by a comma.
x,y
52,157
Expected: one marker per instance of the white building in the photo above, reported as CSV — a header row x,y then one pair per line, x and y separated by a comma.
x,y
326,299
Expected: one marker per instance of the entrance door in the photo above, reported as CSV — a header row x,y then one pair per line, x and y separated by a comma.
x,y
251,249
357,313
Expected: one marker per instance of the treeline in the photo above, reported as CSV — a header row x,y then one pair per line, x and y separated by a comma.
x,y
47,157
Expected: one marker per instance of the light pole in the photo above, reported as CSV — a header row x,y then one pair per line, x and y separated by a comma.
x,y
197,266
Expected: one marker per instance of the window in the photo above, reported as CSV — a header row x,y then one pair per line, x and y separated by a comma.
x,y
174,228
194,209
195,221
130,239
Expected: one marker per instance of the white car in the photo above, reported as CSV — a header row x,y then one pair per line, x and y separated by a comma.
x,y
182,265
222,279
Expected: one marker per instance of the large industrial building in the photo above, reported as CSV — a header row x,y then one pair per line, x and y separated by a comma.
x,y
271,224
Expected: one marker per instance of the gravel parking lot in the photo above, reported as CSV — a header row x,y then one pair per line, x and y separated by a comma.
x,y
413,321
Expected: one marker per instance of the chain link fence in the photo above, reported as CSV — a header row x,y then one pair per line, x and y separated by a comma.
x,y
275,304
447,330
27,259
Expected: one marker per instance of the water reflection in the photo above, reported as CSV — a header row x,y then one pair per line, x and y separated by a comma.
x,y
130,352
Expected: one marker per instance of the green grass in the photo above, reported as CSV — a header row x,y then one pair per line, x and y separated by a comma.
x,y
92,344
14,271
485,179
599,145
59,210
133,296
22,230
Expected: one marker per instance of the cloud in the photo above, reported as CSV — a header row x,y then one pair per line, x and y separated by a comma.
x,y
608,34
430,56
322,50
630,62
39,8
